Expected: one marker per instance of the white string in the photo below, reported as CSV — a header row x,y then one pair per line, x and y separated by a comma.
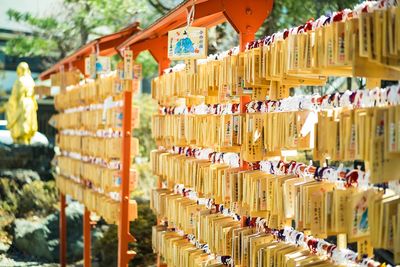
x,y
190,16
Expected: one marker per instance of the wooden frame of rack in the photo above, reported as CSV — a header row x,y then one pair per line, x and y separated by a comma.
x,y
104,46
246,17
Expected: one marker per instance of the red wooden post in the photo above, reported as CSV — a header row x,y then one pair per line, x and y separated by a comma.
x,y
124,236
87,262
63,232
244,39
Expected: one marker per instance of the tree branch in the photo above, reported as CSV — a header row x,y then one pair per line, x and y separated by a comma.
x,y
159,6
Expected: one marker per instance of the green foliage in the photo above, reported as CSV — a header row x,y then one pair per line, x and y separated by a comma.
x,y
29,46
77,23
221,38
149,65
9,195
146,180
147,107
141,229
48,23
163,6
291,13
38,198
50,37
106,248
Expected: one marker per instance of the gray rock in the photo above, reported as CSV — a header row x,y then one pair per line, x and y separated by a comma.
x,y
31,238
41,238
35,157
74,213
4,247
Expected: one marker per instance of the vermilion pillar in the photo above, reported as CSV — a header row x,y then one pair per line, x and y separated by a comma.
x,y
63,232
87,262
124,236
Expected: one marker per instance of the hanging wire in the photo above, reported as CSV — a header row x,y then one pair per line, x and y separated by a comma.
x,y
190,16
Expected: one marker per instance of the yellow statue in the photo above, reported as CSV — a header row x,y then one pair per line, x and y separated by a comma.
x,y
21,107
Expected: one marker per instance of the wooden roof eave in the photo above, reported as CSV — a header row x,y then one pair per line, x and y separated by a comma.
x,y
107,45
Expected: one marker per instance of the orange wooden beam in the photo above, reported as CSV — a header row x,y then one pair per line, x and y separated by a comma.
x,y
174,19
206,8
160,53
158,48
245,16
108,48
107,45
87,261
63,232
79,64
210,21
141,46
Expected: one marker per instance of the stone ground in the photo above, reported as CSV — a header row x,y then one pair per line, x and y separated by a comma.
x,y
15,260
9,262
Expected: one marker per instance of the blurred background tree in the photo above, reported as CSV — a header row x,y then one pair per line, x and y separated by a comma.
x,y
79,21
291,13
147,107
